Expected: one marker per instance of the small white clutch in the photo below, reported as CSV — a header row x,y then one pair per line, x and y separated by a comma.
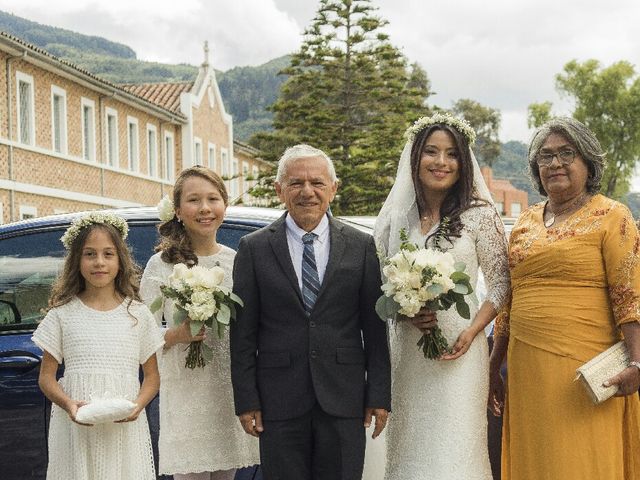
x,y
602,367
105,410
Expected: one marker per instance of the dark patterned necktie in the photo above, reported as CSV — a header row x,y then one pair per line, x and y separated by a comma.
x,y
310,279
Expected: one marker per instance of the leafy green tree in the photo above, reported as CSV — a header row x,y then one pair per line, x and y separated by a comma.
x,y
351,93
486,122
607,101
538,113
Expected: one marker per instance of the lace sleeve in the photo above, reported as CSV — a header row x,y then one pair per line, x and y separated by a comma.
x,y
152,278
491,248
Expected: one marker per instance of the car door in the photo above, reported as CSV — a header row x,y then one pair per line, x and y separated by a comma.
x,y
28,267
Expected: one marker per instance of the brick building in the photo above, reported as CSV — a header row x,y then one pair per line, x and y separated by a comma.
x,y
71,141
508,199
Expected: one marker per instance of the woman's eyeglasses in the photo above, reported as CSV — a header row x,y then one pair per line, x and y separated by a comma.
x,y
565,157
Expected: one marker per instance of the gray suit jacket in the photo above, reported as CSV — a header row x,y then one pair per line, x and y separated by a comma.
x,y
283,361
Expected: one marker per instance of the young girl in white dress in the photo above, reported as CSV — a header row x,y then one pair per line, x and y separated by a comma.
x,y
99,328
200,435
438,428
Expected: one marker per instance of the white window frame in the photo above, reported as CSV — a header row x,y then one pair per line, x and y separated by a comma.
x,y
59,92
112,160
152,160
225,169
23,77
519,209
169,148
212,156
235,182
197,151
28,211
133,145
88,144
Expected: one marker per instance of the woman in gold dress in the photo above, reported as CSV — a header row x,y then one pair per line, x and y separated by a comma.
x,y
575,280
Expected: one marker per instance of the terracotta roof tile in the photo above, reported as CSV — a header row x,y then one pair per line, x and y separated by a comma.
x,y
165,95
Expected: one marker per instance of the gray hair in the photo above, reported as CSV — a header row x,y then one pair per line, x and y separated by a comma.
x,y
584,141
299,151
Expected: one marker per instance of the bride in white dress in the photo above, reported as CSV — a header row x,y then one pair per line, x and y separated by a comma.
x,y
438,425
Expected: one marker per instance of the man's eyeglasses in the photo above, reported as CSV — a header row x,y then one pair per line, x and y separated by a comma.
x,y
565,157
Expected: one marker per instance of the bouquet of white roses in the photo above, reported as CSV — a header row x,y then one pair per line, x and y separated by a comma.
x,y
423,277
201,299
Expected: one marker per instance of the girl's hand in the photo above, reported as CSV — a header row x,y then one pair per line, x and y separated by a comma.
x,y
182,334
461,346
134,415
424,320
72,409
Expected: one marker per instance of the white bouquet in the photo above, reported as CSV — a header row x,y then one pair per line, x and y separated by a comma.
x,y
423,277
201,299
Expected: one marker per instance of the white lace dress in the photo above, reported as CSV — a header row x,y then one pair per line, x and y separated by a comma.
x,y
102,353
199,431
438,426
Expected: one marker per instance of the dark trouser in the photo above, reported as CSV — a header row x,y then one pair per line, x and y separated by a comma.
x,y
315,446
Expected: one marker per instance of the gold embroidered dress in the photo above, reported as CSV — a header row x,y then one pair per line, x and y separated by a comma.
x,y
572,287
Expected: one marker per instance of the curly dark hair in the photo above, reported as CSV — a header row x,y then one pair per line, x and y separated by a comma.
x,y
460,197
175,243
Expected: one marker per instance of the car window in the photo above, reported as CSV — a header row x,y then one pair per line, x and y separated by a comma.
x,y
28,266
230,234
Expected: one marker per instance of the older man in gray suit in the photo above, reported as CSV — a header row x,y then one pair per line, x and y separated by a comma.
x,y
309,356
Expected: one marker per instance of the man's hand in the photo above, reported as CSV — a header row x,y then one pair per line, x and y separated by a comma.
x,y
251,422
381,419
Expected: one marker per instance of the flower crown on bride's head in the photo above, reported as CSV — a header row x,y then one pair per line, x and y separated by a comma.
x,y
93,218
459,124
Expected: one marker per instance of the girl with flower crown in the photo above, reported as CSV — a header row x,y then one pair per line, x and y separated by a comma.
x,y
100,329
438,428
200,437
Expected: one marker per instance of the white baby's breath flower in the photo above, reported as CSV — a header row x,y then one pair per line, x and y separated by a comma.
x,y
166,210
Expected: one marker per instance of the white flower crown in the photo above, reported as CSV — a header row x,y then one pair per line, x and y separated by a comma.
x,y
459,124
93,218
166,211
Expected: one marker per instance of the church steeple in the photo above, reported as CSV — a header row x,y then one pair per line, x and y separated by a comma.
x,y
206,54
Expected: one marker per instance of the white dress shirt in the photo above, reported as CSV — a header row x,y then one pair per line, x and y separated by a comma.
x,y
320,246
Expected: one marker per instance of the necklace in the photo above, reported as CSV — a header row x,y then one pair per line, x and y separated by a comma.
x,y
552,219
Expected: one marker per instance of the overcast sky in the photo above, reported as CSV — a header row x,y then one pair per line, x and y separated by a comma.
x,y
502,53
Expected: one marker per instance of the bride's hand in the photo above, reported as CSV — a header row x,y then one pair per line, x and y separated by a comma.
x,y
461,346
424,320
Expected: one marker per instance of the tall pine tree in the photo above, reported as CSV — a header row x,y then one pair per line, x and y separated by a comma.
x,y
351,93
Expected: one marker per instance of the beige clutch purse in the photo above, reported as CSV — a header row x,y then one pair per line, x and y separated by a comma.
x,y
602,367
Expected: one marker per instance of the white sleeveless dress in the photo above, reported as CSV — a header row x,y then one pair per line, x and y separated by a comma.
x,y
438,426
199,430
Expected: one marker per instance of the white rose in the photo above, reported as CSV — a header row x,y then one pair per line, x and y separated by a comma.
x,y
180,273
200,297
200,312
165,209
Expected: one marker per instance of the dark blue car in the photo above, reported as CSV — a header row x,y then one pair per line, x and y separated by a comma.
x,y
30,257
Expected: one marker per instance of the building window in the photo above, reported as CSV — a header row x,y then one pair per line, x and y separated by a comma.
x,y
152,150
132,142
58,119
26,114
212,157
168,156
197,151
88,129
1,214
235,183
516,208
27,212
112,137
500,208
224,158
